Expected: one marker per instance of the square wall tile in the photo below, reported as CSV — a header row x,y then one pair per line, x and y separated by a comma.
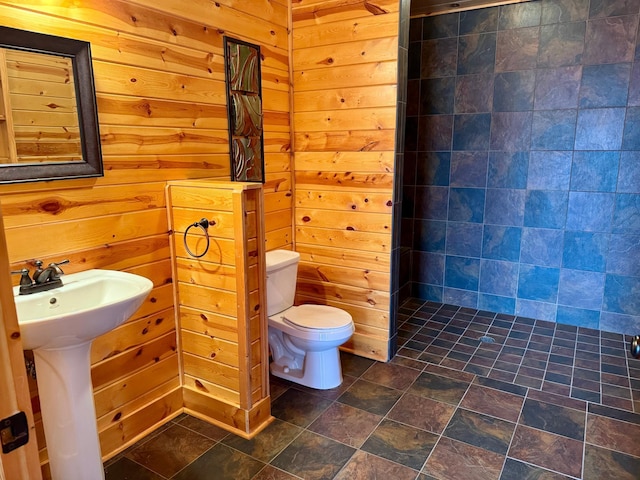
x,y
585,251
440,26
578,316
624,255
463,298
629,173
611,8
429,235
557,88
545,209
553,129
561,44
513,91
476,53
622,294
432,168
501,243
479,21
538,283
466,205
581,289
605,85
520,15
537,310
469,169
542,247
462,272
431,203
631,138
511,131
428,268
634,87
517,49
471,131
464,239
590,212
508,169
626,218
436,95
620,323
610,40
435,132
499,278
439,58
595,171
549,170
496,303
564,11
474,93
504,206
600,129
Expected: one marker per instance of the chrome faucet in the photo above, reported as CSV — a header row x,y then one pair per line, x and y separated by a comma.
x,y
43,278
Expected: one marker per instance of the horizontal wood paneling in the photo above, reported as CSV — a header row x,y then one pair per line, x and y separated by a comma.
x,y
344,122
159,79
222,325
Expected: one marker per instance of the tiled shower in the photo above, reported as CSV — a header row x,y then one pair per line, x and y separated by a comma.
x,y
521,184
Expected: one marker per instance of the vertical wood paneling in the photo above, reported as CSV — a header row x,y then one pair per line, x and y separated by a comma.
x,y
159,79
344,119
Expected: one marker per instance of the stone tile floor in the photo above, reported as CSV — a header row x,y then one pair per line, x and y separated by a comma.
x,y
470,395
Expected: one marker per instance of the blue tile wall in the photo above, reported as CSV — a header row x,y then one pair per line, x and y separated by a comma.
x,y
522,150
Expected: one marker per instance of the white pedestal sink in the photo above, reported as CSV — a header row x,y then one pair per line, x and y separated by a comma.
x,y
59,325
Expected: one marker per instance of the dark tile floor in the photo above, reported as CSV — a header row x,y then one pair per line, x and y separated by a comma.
x,y
470,395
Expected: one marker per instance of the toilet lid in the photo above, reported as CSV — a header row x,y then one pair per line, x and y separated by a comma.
x,y
317,316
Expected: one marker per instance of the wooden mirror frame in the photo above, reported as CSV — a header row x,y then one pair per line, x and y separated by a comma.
x,y
80,54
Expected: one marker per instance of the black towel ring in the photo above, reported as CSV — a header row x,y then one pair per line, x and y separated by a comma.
x,y
204,225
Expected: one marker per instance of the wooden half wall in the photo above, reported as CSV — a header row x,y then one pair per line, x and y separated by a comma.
x,y
344,118
219,274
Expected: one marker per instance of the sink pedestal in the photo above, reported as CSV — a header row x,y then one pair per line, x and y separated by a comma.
x,y
68,412
59,326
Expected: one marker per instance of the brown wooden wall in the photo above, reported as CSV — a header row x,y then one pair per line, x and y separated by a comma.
x,y
159,77
221,302
344,121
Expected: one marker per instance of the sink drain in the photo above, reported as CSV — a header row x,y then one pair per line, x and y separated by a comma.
x,y
487,339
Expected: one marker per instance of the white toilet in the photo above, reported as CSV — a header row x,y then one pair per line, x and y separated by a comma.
x,y
304,340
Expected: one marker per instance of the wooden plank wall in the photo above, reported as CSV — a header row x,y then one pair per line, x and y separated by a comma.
x,y
220,300
344,121
159,77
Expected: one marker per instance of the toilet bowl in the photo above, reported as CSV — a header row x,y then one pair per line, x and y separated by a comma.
x,y
303,339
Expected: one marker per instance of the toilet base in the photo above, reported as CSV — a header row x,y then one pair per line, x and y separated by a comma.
x,y
322,370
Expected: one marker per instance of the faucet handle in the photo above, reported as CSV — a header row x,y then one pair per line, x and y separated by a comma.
x,y
25,279
57,271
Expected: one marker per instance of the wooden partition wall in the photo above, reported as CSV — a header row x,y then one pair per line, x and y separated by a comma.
x,y
344,118
220,297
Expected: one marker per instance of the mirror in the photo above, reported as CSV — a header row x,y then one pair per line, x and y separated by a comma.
x,y
48,115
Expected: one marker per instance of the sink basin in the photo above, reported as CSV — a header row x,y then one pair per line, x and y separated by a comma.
x,y
89,304
59,325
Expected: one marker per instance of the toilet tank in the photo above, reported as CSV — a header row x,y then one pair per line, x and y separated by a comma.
x,y
282,272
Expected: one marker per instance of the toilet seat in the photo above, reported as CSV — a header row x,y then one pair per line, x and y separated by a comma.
x,y
313,322
316,317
